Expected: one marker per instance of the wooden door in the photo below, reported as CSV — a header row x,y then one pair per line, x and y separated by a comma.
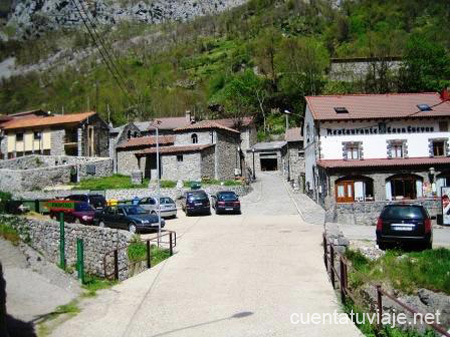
x,y
345,191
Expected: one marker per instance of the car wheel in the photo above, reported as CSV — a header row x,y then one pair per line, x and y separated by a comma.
x,y
132,228
101,224
153,213
382,245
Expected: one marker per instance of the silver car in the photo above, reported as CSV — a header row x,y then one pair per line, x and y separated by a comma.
x,y
168,206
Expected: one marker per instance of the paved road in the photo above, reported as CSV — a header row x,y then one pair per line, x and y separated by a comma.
x,y
31,295
441,235
232,276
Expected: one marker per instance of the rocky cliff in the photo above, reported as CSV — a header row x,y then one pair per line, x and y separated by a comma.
x,y
33,17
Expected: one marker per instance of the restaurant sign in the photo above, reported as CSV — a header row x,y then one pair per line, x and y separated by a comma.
x,y
380,129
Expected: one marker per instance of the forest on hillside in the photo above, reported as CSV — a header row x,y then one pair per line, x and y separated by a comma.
x,y
256,59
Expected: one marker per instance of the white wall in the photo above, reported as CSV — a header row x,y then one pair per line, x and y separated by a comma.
x,y
375,145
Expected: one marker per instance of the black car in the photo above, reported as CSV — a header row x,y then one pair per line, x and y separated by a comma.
x,y
226,201
97,201
403,224
195,202
130,217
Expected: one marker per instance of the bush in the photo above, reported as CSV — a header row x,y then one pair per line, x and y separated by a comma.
x,y
5,197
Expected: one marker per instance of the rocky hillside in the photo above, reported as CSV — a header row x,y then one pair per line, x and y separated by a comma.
x,y
31,18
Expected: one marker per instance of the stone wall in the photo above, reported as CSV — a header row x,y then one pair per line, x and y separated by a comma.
x,y
127,162
128,194
367,213
57,142
296,162
204,137
39,172
43,236
188,169
357,71
208,164
227,155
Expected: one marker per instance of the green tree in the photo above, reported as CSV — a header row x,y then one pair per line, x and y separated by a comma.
x,y
427,66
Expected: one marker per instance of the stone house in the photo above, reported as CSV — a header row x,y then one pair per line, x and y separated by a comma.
x,y
200,150
120,135
295,154
268,156
82,134
134,154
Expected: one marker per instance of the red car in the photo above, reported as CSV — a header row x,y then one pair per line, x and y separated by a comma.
x,y
81,212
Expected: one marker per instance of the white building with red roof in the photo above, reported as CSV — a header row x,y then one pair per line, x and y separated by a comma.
x,y
376,147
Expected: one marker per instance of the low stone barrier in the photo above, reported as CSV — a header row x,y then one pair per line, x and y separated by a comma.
x,y
128,194
43,236
367,213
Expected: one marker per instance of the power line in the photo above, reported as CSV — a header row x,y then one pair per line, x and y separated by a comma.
x,y
109,64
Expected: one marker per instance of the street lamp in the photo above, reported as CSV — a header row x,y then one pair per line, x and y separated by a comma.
x,y
287,113
253,152
158,186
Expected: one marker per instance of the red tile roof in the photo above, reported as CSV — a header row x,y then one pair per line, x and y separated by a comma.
x,y
146,141
375,106
204,125
169,123
232,123
293,135
32,122
177,149
422,161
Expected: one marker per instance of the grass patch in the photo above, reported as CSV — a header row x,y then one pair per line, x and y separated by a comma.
x,y
206,182
93,284
406,272
116,181
45,327
9,233
137,252
386,331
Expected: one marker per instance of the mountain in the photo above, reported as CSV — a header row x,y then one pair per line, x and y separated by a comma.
x,y
33,18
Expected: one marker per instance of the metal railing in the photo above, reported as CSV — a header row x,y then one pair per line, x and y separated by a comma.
x,y
111,259
330,254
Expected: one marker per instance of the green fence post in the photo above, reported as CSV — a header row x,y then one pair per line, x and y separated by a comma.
x,y
80,260
62,242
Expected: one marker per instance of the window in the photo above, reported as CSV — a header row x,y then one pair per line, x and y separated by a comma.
x,y
37,135
424,107
194,138
443,126
135,134
439,148
19,137
403,187
301,153
129,134
357,188
397,149
341,110
180,158
352,150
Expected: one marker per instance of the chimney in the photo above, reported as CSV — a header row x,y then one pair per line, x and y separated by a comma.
x,y
445,94
188,116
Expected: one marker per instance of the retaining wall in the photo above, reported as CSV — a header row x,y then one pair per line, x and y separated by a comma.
x,y
43,236
128,194
367,213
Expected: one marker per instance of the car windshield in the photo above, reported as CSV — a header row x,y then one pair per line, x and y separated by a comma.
x,y
166,200
403,212
135,211
197,196
83,207
228,197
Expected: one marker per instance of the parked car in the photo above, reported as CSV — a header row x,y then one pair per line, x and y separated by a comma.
x,y
168,206
195,202
403,224
130,217
81,213
226,202
97,201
